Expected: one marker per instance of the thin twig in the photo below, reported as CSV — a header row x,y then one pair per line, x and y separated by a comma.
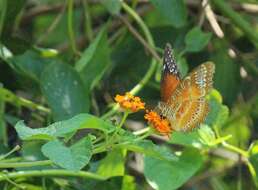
x,y
237,20
140,38
212,19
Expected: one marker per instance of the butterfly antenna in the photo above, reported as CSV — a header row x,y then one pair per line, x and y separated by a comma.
x,y
169,62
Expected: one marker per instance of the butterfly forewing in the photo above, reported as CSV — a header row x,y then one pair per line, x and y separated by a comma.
x,y
170,74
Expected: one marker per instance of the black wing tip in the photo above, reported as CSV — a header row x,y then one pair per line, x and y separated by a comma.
x,y
169,62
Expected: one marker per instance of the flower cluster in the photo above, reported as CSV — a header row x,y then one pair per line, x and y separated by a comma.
x,y
134,104
130,102
160,124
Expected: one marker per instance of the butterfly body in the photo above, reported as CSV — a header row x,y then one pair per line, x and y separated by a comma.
x,y
183,100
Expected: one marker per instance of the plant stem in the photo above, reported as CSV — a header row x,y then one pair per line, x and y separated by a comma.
x,y
153,64
126,113
25,164
27,103
16,148
70,27
147,133
112,139
87,24
235,149
238,20
141,131
48,173
229,146
13,183
19,101
3,5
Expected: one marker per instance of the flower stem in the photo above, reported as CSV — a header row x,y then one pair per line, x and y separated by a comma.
x,y
112,138
126,113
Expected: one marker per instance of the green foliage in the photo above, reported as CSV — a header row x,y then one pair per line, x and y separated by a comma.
x,y
173,11
94,61
62,128
196,40
218,113
65,100
113,164
62,64
113,6
3,137
157,173
148,148
71,158
128,183
30,64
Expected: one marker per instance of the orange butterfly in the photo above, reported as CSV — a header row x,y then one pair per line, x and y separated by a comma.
x,y
183,101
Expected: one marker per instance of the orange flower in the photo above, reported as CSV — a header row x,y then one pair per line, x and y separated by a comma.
x,y
161,125
130,102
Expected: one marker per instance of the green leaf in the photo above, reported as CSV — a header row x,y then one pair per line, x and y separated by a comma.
x,y
128,183
163,175
64,91
62,128
94,61
30,152
207,136
253,158
113,6
148,148
72,158
186,139
218,113
196,40
113,164
174,11
29,64
226,68
253,149
3,132
254,161
182,66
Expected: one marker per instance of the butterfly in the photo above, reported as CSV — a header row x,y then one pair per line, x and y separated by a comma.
x,y
183,101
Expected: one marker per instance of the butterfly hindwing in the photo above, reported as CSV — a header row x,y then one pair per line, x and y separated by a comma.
x,y
186,115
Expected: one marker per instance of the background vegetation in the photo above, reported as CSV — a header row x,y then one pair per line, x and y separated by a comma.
x,y
60,58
